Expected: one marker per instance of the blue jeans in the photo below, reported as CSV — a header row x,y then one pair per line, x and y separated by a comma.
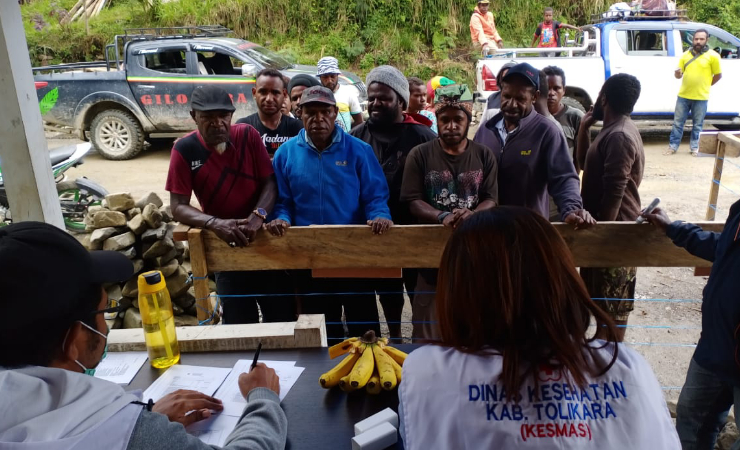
x,y
702,408
698,109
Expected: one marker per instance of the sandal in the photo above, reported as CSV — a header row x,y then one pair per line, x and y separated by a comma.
x,y
694,152
669,152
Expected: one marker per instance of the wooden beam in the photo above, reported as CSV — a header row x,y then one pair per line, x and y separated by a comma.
x,y
181,232
708,142
719,161
609,244
732,144
200,273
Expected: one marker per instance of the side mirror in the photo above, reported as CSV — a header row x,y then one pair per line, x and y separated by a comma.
x,y
249,70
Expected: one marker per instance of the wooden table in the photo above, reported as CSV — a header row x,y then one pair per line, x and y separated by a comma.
x,y
317,418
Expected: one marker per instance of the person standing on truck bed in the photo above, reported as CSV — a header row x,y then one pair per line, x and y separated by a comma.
x,y
274,127
700,70
483,29
548,34
350,111
568,117
229,170
532,153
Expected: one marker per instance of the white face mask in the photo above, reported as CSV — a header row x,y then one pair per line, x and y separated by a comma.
x,y
87,371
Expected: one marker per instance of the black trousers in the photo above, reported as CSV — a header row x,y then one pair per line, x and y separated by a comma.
x,y
393,301
272,289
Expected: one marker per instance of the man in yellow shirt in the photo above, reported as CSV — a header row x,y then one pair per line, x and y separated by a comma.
x,y
483,28
699,68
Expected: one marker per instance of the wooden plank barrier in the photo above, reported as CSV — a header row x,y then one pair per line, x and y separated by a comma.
x,y
609,244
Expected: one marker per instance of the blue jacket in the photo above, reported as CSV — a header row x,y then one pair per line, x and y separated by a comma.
x,y
721,304
343,185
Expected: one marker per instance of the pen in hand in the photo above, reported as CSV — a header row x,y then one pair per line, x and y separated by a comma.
x,y
256,356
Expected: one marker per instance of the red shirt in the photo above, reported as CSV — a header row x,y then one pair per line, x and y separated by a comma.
x,y
227,185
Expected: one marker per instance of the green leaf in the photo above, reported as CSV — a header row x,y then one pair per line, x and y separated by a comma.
x,y
49,100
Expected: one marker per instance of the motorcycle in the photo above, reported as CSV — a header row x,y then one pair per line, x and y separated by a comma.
x,y
75,196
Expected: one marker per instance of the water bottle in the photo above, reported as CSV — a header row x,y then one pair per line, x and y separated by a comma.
x,y
158,320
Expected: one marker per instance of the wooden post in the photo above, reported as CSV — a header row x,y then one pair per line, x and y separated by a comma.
x,y
26,168
719,160
200,273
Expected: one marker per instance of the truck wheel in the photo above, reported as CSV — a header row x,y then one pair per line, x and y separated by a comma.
x,y
116,135
573,103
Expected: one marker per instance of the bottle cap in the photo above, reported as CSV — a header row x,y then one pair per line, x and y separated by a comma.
x,y
153,277
151,282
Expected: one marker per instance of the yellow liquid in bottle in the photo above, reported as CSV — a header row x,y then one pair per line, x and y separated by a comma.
x,y
162,347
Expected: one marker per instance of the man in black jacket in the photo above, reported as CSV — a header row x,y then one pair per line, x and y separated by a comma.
x,y
392,134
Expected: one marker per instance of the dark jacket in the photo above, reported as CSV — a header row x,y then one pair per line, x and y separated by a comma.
x,y
720,309
392,157
534,160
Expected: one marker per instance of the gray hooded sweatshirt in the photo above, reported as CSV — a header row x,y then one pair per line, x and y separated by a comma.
x,y
43,408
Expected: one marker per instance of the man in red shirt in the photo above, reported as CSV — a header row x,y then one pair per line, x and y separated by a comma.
x,y
229,170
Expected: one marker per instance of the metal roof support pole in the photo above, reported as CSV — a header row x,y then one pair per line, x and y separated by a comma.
x,y
26,167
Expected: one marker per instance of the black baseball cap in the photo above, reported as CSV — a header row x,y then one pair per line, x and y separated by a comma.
x,y
211,98
525,70
303,79
317,94
47,274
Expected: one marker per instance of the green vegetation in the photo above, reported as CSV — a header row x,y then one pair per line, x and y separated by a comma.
x,y
423,37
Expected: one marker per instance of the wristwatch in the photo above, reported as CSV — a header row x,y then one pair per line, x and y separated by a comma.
x,y
442,215
260,212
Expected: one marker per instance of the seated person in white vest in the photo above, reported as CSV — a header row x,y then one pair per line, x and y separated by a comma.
x,y
54,337
517,366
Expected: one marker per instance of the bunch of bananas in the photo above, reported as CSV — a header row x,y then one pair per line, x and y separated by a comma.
x,y
370,363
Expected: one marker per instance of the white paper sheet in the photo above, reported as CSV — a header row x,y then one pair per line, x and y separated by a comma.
x,y
215,429
120,367
231,396
195,378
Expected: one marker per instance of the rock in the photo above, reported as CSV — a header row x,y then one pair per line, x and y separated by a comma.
x,y
159,248
135,303
186,253
114,324
133,212
185,301
186,321
104,219
672,408
727,436
120,202
131,288
151,197
132,319
163,260
167,216
169,269
180,260
152,216
180,247
119,242
138,266
84,239
95,208
127,302
177,311
104,203
193,311
137,225
114,292
129,253
154,234
178,283
101,234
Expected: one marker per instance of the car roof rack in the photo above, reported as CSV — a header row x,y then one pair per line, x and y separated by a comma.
x,y
637,15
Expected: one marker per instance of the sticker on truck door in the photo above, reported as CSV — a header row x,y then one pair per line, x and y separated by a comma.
x,y
49,100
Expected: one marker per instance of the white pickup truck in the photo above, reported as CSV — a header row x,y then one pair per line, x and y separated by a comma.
x,y
646,47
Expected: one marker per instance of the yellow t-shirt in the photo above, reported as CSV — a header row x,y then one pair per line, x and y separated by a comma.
x,y
697,77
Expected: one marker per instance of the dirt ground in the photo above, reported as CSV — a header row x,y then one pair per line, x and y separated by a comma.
x,y
663,331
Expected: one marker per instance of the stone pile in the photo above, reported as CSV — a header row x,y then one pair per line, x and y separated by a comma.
x,y
142,231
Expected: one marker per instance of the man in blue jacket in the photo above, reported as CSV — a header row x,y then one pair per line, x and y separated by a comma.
x,y
327,177
713,380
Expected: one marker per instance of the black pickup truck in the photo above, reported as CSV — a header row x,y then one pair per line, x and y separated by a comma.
x,y
142,89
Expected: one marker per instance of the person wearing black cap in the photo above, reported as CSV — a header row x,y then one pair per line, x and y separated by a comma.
x,y
51,293
229,170
297,85
532,153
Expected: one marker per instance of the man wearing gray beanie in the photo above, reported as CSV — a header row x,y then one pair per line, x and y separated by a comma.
x,y
392,134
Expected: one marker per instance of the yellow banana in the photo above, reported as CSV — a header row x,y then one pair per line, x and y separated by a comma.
x,y
342,348
397,369
363,370
332,377
383,362
373,385
344,384
397,355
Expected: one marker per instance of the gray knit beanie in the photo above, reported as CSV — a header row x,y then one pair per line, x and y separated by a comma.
x,y
391,77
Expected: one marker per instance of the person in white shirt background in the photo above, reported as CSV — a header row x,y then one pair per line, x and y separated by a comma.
x,y
516,366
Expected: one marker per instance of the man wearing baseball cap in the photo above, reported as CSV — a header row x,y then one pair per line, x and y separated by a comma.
x,y
346,97
54,335
327,177
229,170
483,29
536,160
392,134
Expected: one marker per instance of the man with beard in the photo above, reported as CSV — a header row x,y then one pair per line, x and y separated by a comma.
x,y
612,173
269,94
229,170
536,159
699,68
569,118
327,177
453,164
392,134
493,103
350,111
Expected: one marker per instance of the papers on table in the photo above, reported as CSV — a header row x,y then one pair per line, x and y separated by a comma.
x,y
120,368
195,378
215,429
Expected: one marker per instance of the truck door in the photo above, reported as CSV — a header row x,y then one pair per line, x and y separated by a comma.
x,y
217,65
648,54
161,84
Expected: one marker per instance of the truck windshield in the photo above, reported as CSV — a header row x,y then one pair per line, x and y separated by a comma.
x,y
266,57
